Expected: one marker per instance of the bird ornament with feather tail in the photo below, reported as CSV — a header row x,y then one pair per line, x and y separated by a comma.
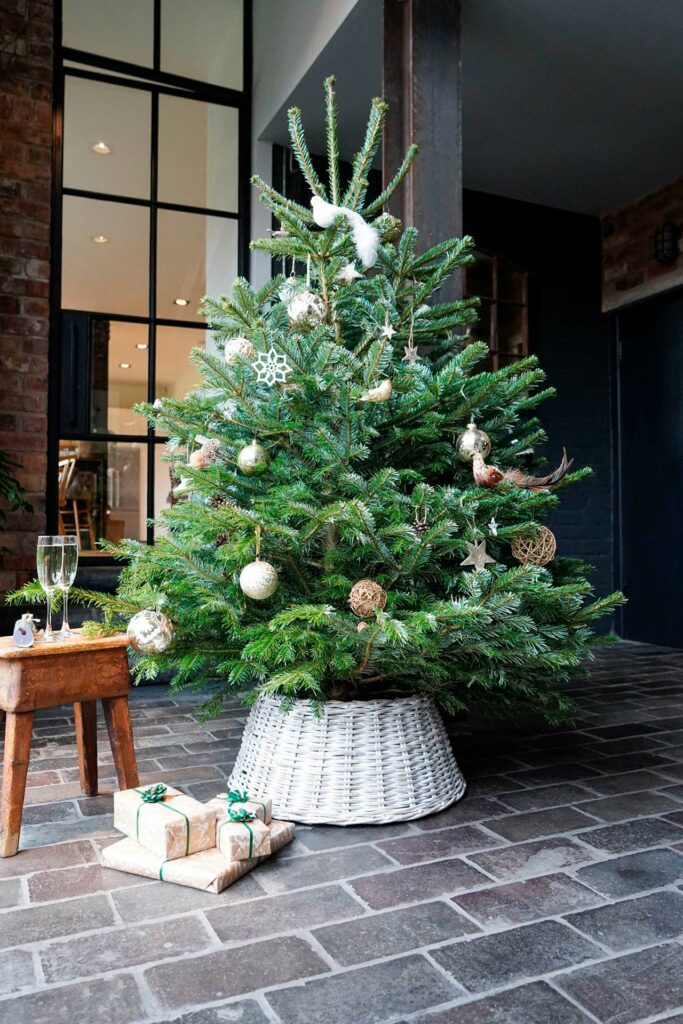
x,y
491,476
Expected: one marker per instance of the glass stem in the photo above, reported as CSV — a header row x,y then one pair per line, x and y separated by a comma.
x,y
48,618
65,612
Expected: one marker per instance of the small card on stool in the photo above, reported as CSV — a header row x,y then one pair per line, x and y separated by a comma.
x,y
239,799
207,870
165,821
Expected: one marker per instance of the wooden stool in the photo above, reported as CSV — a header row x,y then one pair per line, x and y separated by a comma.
x,y
74,671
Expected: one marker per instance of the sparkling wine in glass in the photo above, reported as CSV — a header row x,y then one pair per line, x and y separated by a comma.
x,y
67,576
49,555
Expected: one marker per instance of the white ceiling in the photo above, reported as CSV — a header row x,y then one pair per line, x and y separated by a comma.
x,y
576,104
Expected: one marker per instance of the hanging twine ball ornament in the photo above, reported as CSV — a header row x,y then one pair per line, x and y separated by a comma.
x,y
150,632
205,456
259,580
367,597
537,550
253,460
306,309
472,440
238,348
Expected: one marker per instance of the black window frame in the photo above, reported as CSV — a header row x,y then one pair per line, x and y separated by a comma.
x,y
155,83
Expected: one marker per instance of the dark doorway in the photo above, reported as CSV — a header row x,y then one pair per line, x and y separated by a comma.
x,y
650,339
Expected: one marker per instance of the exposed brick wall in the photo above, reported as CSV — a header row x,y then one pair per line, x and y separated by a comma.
x,y
26,46
629,269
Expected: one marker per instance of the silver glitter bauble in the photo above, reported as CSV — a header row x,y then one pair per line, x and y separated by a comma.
x,y
472,440
238,348
306,309
253,460
150,632
259,580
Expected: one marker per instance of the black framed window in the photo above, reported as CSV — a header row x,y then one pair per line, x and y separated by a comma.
x,y
150,214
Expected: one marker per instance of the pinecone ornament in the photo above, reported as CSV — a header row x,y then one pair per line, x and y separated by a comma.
x,y
221,539
420,524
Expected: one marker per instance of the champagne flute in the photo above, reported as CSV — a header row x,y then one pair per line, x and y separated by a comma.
x,y
67,576
49,554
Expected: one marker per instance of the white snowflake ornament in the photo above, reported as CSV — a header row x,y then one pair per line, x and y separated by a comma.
x,y
271,367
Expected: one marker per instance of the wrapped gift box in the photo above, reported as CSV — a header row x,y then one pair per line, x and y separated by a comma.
x,y
261,806
208,870
165,821
281,833
240,840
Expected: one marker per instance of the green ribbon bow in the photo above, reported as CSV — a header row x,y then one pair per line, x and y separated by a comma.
x,y
237,796
241,816
153,794
157,795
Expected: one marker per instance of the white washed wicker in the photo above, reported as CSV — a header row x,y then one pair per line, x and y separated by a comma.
x,y
360,762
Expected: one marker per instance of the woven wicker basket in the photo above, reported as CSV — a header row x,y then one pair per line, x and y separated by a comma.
x,y
360,762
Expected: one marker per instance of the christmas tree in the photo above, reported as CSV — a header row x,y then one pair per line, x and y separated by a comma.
x,y
328,538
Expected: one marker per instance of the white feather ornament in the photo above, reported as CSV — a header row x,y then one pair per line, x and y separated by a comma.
x,y
365,238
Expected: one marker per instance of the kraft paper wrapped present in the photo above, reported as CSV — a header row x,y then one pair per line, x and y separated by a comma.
x,y
240,835
165,821
239,799
281,833
207,870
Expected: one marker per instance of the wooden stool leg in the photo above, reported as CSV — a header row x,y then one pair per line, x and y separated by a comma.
x,y
117,716
18,729
85,713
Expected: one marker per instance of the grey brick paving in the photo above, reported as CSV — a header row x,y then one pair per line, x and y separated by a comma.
x,y
551,894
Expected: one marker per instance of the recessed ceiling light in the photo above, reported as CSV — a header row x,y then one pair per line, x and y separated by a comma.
x,y
100,239
141,344
101,148
181,302
125,366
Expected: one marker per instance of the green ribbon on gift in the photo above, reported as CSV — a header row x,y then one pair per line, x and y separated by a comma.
x,y
157,795
242,817
240,796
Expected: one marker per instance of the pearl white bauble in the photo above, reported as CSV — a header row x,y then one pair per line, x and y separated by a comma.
x,y
259,580
306,309
238,348
150,632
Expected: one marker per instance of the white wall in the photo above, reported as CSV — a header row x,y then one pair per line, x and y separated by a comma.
x,y
288,37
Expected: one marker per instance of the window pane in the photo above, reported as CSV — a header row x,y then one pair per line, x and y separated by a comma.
x,y
197,256
123,30
119,118
209,134
119,376
109,275
102,491
206,48
176,375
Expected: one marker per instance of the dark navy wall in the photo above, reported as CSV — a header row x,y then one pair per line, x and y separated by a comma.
x,y
561,252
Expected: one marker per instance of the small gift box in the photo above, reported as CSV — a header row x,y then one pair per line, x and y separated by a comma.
x,y
208,870
239,799
240,834
165,821
281,833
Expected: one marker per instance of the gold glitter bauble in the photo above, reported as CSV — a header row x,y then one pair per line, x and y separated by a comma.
x,y
367,597
150,632
537,550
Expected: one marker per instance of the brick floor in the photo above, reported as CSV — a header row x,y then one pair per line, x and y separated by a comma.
x,y
552,894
